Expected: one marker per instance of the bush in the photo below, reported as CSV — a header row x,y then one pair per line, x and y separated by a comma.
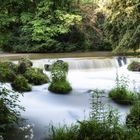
x,y
24,64
7,71
133,118
134,66
36,76
21,84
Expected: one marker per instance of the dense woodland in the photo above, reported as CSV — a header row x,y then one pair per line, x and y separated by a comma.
x,y
69,25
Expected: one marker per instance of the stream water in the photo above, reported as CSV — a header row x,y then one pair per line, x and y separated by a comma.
x,y
44,108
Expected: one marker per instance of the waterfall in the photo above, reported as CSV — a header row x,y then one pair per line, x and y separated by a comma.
x,y
86,63
92,64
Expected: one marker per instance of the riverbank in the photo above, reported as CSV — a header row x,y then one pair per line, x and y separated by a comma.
x,y
14,56
99,54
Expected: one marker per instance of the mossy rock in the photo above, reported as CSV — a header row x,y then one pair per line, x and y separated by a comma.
x,y
21,84
7,71
134,66
61,87
47,67
36,76
122,96
23,65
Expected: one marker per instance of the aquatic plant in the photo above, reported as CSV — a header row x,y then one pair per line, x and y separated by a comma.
x,y
120,94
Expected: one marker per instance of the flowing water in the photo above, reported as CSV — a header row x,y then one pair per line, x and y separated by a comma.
x,y
44,108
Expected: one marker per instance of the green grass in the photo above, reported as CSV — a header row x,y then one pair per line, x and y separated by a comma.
x,y
122,96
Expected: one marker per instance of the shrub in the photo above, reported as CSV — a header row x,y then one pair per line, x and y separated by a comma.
x,y
120,94
133,118
7,71
21,84
134,66
8,109
24,64
60,87
36,76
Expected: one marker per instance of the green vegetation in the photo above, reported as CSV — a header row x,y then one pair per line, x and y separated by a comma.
x,y
36,76
72,25
122,24
8,109
134,66
60,87
120,94
7,71
133,118
21,74
59,83
21,84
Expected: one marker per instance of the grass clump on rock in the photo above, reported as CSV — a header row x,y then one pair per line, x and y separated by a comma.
x,y
134,66
120,94
21,74
59,83
36,76
7,71
21,84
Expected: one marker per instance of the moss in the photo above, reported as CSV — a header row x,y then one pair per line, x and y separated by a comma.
x,y
122,96
21,84
60,87
134,66
36,76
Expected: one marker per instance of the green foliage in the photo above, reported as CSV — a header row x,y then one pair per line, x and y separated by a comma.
x,y
8,109
59,83
120,94
134,66
35,26
7,71
60,87
122,25
21,84
35,76
59,70
133,118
